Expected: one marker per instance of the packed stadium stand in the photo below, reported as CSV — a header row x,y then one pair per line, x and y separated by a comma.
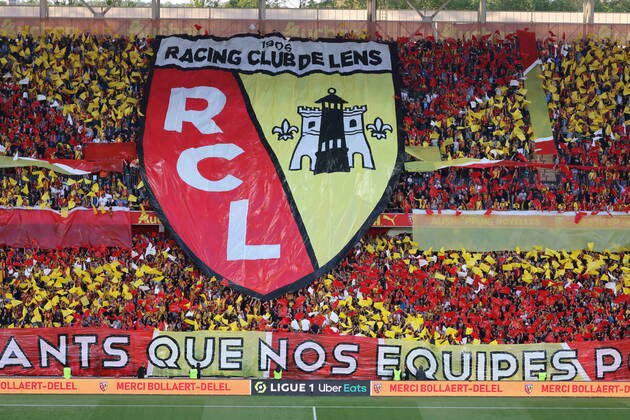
x,y
464,97
386,287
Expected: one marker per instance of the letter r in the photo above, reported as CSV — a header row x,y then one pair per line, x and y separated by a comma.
x,y
202,120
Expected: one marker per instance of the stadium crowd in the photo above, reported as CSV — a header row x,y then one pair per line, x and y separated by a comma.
x,y
386,287
453,98
54,102
63,89
587,84
43,188
508,188
466,97
31,127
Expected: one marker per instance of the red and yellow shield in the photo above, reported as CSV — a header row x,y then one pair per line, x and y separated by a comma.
x,y
267,158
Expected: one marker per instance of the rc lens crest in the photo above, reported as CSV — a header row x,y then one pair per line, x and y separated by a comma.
x,y
267,173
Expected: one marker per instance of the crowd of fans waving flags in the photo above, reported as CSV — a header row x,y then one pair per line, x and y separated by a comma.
x,y
53,104
465,98
386,287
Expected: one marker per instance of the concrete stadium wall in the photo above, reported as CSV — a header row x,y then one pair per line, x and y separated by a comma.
x,y
312,23
314,14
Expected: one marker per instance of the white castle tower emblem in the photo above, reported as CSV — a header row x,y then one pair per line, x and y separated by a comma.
x,y
332,138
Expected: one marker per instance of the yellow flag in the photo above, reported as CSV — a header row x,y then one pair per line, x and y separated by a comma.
x,y
517,115
191,322
424,332
518,133
36,316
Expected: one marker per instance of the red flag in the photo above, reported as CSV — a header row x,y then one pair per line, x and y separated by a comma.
x,y
578,216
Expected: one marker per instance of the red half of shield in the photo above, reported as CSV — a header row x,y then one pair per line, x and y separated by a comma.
x,y
217,185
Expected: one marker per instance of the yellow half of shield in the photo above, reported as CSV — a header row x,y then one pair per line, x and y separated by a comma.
x,y
333,206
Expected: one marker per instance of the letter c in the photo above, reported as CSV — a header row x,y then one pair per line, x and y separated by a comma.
x,y
189,173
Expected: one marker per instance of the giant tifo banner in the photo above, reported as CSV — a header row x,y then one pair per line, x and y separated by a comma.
x,y
108,352
267,158
50,229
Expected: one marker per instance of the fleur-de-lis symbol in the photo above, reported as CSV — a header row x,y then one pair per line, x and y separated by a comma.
x,y
378,129
285,130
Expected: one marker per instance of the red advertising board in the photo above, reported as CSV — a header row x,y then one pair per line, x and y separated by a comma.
x,y
384,220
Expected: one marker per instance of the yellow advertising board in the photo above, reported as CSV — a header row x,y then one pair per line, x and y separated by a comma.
x,y
125,386
498,389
